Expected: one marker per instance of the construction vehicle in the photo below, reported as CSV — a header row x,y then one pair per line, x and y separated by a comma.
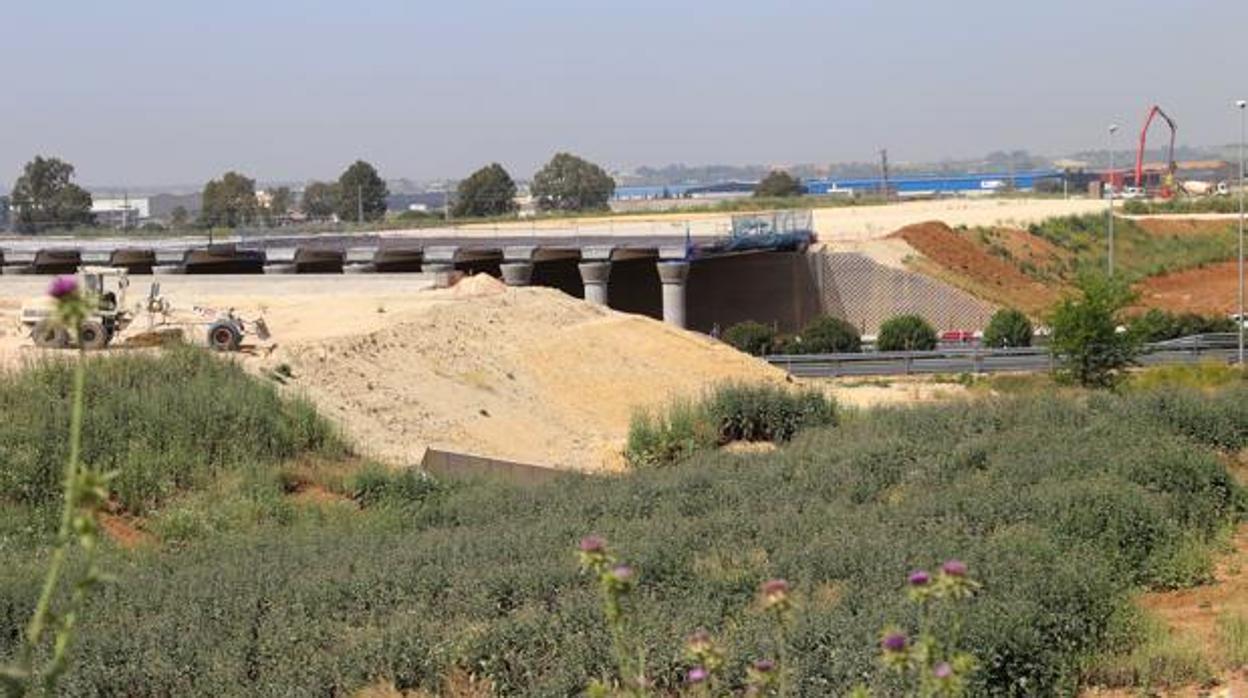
x,y
222,330
1168,185
109,317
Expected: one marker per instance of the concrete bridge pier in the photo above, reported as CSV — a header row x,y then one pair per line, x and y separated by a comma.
x,y
595,276
674,275
517,273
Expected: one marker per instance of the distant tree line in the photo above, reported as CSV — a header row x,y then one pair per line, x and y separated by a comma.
x,y
45,197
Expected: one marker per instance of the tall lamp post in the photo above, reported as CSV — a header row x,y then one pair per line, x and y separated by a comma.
x,y
1113,128
1240,318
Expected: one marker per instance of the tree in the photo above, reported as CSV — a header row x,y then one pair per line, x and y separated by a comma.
x,y
361,191
281,200
320,200
779,183
829,335
45,197
179,216
229,202
1086,341
489,191
1008,328
568,183
906,333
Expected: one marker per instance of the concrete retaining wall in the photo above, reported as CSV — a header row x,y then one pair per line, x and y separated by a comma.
x,y
449,464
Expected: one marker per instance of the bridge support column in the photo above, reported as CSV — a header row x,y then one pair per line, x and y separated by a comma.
x,y
517,273
595,276
673,275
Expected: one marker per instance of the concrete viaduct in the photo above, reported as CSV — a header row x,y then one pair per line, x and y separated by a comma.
x,y
691,282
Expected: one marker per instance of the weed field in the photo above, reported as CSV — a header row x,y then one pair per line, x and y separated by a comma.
x,y
1062,506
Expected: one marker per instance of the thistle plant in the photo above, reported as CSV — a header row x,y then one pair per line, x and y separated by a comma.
x,y
615,580
85,496
930,663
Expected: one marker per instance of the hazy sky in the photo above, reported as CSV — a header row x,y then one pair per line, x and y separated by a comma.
x,y
140,92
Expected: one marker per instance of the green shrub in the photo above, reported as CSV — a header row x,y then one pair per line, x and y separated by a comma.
x,y
668,437
826,335
751,337
165,422
1085,339
765,413
377,484
732,412
906,333
1008,328
1158,325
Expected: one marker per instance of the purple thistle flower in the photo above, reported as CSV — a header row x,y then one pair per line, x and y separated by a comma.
x,y
894,642
622,573
593,544
696,675
919,578
942,670
62,287
954,568
764,666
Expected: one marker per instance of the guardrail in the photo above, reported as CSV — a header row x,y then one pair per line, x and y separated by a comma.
x,y
974,359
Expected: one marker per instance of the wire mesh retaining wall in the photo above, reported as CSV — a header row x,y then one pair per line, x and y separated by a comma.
x,y
866,293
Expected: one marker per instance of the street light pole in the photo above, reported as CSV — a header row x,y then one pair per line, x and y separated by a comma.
x,y
1240,320
1113,128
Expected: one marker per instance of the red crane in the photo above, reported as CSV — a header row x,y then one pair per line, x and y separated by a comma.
x,y
1167,185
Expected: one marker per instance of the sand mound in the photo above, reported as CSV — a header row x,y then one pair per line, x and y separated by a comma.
x,y
523,374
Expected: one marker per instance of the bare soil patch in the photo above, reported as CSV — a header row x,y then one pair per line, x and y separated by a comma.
x,y
1209,290
972,268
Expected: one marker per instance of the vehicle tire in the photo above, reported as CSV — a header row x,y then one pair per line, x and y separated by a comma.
x,y
50,335
224,336
92,335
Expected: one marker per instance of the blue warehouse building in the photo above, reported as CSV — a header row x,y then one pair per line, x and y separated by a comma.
x,y
929,185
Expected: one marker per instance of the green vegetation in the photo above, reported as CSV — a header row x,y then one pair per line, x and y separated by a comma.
x,y
1158,325
569,183
906,333
361,194
1008,328
1137,252
320,200
728,413
489,191
43,197
165,423
229,202
1207,204
825,335
1061,506
751,337
779,183
1233,638
1085,336
1200,376
1149,656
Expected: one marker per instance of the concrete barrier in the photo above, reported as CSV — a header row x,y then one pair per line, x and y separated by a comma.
x,y
460,466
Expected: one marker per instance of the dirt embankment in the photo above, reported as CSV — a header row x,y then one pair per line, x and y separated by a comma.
x,y
953,257
1208,290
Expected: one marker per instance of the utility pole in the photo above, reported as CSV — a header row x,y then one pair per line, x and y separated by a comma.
x,y
884,173
1112,129
359,203
1240,320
